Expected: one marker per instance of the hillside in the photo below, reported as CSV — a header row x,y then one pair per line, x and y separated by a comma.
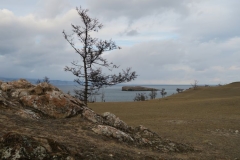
x,y
207,117
41,122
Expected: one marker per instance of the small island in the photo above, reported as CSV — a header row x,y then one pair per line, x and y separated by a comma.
x,y
137,88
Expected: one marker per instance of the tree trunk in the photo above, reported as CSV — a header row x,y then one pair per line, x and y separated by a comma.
x,y
86,83
85,68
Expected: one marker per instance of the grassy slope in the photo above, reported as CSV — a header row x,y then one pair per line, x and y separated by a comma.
x,y
207,118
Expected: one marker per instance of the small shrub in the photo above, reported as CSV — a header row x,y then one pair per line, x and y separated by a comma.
x,y
179,90
195,84
140,97
163,93
45,79
153,94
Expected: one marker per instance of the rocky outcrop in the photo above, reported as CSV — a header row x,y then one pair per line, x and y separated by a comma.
x,y
141,136
111,126
112,120
16,146
112,132
44,101
92,116
137,88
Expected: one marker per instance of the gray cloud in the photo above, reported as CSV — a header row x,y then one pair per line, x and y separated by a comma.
x,y
136,9
212,20
132,33
166,41
168,61
31,47
51,9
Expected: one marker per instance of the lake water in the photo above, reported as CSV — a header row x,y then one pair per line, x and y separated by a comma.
x,y
115,93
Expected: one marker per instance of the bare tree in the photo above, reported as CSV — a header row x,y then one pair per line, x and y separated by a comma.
x,y
194,85
93,97
153,94
103,95
89,72
179,90
163,93
46,79
140,97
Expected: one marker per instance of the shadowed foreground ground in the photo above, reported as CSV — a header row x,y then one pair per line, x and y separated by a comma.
x,y
208,118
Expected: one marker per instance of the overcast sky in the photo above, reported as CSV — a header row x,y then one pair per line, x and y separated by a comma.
x,y
164,41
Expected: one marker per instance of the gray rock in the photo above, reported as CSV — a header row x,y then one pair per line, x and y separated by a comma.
x,y
112,120
91,115
112,132
15,146
43,97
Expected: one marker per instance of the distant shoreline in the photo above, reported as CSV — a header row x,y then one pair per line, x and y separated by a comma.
x,y
137,88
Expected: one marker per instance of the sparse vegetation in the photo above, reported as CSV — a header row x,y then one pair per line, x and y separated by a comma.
x,y
195,84
153,94
207,118
45,79
179,90
140,97
103,95
89,72
163,93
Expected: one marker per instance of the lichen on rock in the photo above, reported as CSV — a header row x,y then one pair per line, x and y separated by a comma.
x,y
44,98
91,115
113,120
26,113
14,146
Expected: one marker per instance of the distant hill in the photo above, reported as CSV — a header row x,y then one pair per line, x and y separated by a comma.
x,y
33,81
234,84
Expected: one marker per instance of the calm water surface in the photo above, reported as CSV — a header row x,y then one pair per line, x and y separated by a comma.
x,y
115,93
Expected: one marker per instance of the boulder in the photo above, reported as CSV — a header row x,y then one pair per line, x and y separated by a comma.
x,y
53,103
43,87
21,83
26,113
14,146
6,87
43,98
91,115
112,132
18,93
112,120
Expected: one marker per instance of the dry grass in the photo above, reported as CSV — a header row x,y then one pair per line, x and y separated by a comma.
x,y
207,117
